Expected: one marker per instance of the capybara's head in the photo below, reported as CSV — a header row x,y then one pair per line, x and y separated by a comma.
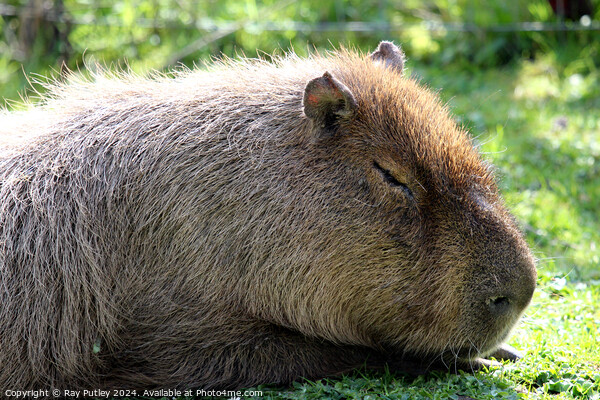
x,y
398,236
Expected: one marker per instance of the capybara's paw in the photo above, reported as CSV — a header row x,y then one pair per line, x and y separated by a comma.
x,y
506,352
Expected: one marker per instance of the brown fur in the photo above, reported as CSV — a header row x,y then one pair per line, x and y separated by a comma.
x,y
204,232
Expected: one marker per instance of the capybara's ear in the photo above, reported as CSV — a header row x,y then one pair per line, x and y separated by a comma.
x,y
390,55
327,100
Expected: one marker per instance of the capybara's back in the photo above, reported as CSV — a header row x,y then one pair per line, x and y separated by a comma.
x,y
248,223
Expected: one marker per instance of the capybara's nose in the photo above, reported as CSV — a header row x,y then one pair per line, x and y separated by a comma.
x,y
507,306
500,305
512,299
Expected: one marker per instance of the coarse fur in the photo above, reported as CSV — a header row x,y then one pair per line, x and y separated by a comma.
x,y
248,223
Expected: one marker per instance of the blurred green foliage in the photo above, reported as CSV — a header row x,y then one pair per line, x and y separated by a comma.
x,y
38,35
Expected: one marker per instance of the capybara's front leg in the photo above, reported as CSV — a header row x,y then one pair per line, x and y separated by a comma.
x,y
235,355
285,358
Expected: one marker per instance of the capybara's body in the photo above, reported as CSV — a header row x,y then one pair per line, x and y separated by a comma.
x,y
250,223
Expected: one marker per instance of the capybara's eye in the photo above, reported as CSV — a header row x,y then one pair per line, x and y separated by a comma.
x,y
391,180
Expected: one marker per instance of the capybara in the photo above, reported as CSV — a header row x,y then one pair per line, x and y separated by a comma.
x,y
249,222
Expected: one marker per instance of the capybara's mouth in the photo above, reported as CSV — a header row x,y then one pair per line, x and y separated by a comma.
x,y
473,350
464,354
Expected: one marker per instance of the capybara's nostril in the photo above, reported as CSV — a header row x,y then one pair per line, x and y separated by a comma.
x,y
499,305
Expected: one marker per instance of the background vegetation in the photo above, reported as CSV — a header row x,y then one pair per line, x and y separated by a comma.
x,y
524,80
